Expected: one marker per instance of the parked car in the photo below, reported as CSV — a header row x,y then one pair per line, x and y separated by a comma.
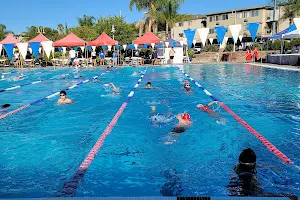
x,y
197,49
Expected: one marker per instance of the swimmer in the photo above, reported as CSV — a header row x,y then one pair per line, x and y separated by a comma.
x,y
63,98
5,106
184,123
213,114
149,86
115,89
3,77
187,86
96,79
160,119
136,73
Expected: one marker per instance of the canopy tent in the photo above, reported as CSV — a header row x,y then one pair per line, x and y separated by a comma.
x,y
10,39
103,39
280,34
291,35
39,38
172,42
70,40
148,38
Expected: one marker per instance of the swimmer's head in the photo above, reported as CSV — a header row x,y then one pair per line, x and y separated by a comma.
x,y
247,162
63,95
200,106
187,86
186,117
5,106
149,85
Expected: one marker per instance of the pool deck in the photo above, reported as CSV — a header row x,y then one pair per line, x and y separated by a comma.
x,y
274,66
157,198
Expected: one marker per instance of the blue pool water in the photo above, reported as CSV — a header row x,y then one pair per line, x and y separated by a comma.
x,y
42,146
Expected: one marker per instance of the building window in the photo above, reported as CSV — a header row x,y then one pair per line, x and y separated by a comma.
x,y
180,24
225,17
211,19
254,13
211,30
217,18
180,34
239,15
246,14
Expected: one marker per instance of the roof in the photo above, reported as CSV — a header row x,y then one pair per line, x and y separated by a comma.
x,y
70,40
241,9
103,39
148,38
39,38
10,39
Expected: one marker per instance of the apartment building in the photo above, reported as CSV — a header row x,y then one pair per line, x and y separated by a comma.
x,y
262,14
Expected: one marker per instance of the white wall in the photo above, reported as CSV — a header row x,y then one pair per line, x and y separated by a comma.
x,y
178,58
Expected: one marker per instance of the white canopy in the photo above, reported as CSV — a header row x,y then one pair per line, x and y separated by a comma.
x,y
290,35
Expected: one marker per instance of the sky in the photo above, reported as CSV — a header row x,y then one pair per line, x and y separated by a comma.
x,y
16,15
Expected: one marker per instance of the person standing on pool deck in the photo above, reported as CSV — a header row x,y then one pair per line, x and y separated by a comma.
x,y
94,57
63,98
154,57
172,54
115,59
72,55
102,56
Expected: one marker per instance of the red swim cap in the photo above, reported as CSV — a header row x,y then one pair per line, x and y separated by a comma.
x,y
186,116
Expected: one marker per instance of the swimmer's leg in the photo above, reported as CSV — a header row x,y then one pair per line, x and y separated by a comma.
x,y
173,136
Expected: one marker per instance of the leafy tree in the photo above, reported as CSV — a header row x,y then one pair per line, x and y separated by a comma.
x,y
33,31
3,31
210,48
150,8
85,32
88,21
124,32
291,10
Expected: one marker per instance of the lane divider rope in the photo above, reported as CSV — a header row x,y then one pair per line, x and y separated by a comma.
x,y
71,186
261,138
32,83
48,97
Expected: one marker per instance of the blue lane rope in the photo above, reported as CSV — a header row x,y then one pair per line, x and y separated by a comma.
x,y
49,96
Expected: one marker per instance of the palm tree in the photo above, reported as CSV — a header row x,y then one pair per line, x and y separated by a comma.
x,y
3,31
150,8
140,25
291,10
169,13
61,29
86,21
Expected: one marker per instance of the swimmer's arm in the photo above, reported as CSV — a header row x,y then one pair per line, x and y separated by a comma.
x,y
211,103
114,87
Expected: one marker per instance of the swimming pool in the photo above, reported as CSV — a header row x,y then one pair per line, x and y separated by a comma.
x,y
42,146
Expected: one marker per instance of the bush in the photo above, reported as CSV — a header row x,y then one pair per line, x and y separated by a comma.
x,y
210,48
191,53
228,48
276,45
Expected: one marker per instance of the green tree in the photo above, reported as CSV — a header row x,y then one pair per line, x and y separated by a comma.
x,y
85,32
33,31
125,32
88,21
3,31
291,9
150,8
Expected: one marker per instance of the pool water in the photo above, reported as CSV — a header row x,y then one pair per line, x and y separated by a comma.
x,y
42,146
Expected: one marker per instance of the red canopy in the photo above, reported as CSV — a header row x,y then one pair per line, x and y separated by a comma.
x,y
10,39
70,40
148,38
39,38
103,39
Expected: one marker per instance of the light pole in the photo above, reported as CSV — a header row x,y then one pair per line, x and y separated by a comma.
x,y
234,12
274,18
113,30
